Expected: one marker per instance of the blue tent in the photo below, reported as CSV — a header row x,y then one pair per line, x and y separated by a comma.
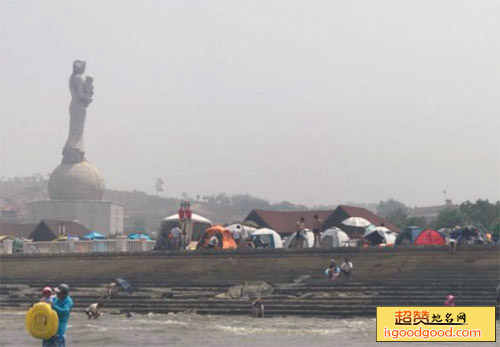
x,y
408,235
139,236
93,236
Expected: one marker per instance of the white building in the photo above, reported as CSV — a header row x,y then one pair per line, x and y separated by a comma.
x,y
105,217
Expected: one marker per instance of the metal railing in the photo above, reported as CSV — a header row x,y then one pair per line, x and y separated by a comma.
x,y
82,247
134,245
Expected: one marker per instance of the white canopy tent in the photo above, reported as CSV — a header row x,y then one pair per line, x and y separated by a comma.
x,y
334,237
309,242
380,235
267,237
196,228
390,238
195,218
245,231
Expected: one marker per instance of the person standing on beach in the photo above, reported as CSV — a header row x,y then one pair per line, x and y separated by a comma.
x,y
236,232
258,308
176,233
317,225
299,233
62,304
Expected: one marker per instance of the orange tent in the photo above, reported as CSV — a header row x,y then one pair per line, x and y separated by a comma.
x,y
227,238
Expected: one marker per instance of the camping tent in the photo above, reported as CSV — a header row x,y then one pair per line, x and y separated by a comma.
x,y
390,238
430,237
194,217
93,236
245,230
309,242
266,238
467,235
408,236
222,234
380,235
200,224
138,237
334,237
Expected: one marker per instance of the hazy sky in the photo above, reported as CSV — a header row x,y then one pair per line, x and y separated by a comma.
x,y
314,102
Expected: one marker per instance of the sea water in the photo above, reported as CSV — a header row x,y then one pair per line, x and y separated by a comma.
x,y
185,330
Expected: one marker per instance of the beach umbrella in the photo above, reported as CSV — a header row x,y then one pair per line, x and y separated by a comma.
x,y
357,222
139,236
93,236
124,284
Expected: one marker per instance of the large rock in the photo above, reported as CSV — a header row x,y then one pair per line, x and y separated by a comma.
x,y
234,292
250,290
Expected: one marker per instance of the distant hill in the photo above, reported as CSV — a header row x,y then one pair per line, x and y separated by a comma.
x,y
144,211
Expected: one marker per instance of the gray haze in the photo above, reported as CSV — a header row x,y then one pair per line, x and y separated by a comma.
x,y
308,101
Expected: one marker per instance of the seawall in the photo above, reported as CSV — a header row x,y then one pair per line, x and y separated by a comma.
x,y
274,266
195,281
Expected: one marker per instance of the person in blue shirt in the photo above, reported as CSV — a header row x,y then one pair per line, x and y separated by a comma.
x,y
62,304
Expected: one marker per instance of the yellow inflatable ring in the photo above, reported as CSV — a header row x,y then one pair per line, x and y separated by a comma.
x,y
42,321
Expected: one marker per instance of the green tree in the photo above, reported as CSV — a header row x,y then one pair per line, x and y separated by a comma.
x,y
481,212
495,228
417,221
394,211
449,218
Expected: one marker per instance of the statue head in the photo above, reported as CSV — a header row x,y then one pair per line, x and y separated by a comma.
x,y
78,67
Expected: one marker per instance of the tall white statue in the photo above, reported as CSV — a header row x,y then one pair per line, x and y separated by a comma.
x,y
82,91
75,177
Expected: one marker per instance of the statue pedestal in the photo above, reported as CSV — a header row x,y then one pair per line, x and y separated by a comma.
x,y
105,217
81,181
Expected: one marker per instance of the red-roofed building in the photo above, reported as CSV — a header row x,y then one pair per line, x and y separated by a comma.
x,y
17,230
430,213
284,222
50,229
342,212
